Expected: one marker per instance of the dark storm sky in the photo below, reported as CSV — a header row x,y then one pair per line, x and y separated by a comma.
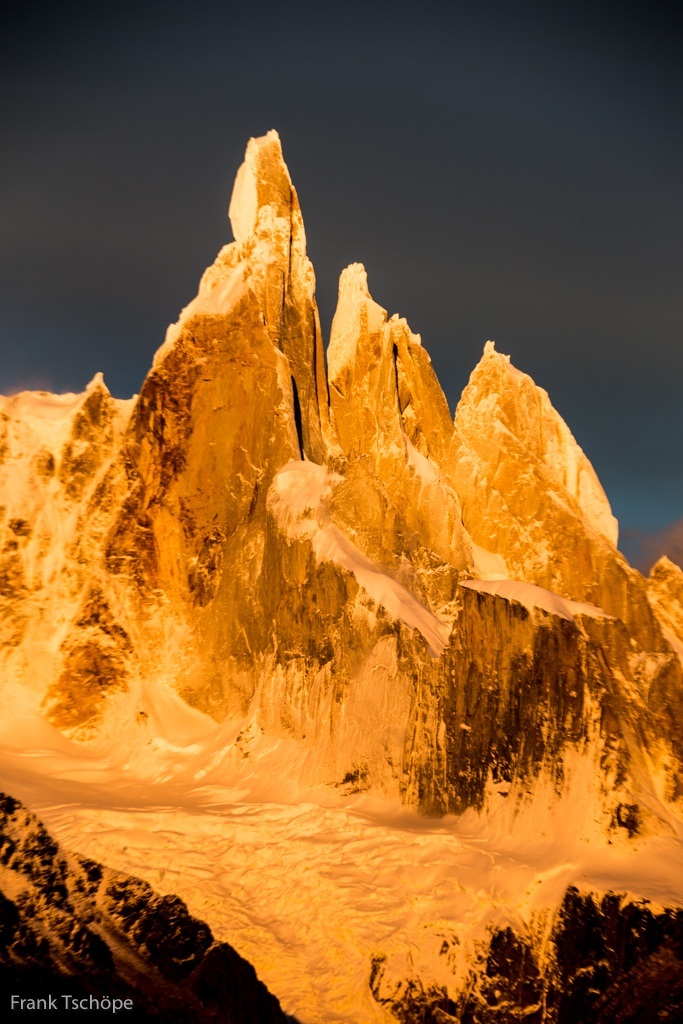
x,y
503,170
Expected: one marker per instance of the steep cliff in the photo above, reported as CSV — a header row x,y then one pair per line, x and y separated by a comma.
x,y
55,450
665,593
530,494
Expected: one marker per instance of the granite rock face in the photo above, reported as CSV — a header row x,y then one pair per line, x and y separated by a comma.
x,y
530,494
390,416
665,593
54,452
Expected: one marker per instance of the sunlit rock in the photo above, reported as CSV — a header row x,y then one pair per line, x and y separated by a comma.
x,y
529,494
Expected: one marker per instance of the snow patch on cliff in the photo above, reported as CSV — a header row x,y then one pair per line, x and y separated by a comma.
x,y
220,289
420,464
671,638
298,500
332,545
532,597
488,565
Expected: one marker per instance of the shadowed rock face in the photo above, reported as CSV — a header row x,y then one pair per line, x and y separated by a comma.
x,y
69,926
291,544
608,961
519,694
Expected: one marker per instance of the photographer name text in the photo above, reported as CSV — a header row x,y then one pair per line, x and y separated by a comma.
x,y
70,1003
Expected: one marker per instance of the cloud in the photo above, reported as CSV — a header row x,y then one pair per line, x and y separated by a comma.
x,y
29,382
643,549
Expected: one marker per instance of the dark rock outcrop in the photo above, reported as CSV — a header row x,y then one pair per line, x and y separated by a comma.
x,y
70,927
608,960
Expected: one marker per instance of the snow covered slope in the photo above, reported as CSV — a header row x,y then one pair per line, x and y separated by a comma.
x,y
356,910
76,932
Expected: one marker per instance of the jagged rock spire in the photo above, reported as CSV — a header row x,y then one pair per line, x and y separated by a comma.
x,y
268,261
388,410
525,410
530,494
268,226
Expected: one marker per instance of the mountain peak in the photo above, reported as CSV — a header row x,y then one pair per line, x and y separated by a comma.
x,y
181,501
358,320
262,181
665,568
266,274
502,400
